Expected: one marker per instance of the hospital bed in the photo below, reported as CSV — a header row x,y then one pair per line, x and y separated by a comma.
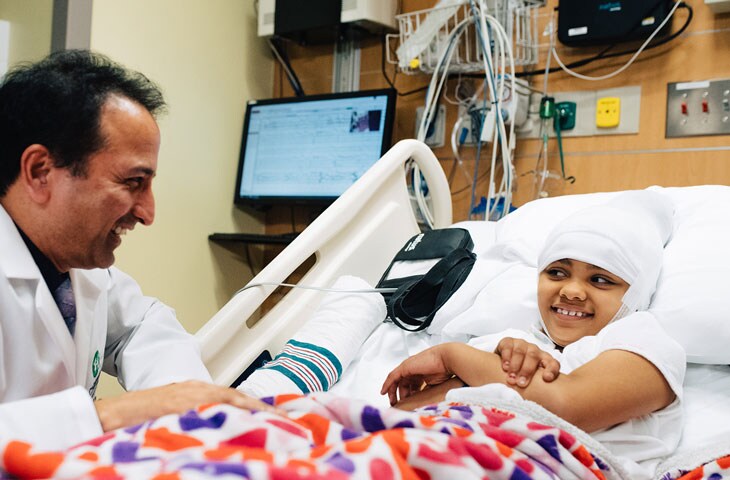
x,y
362,230
350,432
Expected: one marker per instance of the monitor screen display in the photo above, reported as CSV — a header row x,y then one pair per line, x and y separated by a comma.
x,y
311,149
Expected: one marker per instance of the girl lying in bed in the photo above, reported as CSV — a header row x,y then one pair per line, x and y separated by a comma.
x,y
620,374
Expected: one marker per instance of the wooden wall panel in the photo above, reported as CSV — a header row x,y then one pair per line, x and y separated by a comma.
x,y
600,163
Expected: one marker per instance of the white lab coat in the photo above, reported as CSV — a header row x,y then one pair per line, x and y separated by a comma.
x,y
46,375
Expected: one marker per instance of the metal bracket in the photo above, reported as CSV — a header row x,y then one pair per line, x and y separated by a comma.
x,y
346,65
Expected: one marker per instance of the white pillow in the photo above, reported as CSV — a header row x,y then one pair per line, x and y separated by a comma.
x,y
482,233
509,300
692,300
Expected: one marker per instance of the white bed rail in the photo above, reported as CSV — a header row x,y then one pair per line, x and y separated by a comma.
x,y
357,235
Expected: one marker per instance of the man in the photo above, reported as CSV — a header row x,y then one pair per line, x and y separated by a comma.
x,y
78,152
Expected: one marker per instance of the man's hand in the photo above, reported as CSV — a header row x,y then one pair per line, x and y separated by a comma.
x,y
136,407
521,360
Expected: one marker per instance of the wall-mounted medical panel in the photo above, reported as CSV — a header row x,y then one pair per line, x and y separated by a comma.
x,y
589,120
698,108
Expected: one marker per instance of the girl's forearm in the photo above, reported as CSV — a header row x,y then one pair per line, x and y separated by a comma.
x,y
612,388
473,366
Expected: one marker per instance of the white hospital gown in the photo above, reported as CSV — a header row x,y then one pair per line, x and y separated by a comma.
x,y
642,442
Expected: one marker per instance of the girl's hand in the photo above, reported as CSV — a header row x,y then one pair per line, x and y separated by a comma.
x,y
522,359
423,369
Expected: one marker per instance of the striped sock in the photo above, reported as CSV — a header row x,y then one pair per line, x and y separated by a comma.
x,y
312,368
324,346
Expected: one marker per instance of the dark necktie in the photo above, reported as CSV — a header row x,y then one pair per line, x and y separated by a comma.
x,y
64,297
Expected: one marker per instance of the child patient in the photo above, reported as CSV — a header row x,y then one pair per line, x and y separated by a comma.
x,y
620,373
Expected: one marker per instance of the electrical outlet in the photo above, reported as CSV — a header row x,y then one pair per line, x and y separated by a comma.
x,y
466,135
608,112
436,131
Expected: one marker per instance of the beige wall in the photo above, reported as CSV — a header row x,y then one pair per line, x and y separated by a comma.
x,y
30,28
208,61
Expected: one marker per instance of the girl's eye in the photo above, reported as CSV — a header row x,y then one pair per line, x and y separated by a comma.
x,y
556,272
603,280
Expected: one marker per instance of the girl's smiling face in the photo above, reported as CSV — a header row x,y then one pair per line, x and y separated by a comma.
x,y
577,299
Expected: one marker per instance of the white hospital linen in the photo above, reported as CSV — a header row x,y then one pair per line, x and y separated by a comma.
x,y
642,442
314,359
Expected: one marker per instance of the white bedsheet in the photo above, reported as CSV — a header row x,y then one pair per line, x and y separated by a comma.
x,y
386,347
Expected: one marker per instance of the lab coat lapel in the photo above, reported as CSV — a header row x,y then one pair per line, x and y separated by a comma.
x,y
17,264
52,319
90,335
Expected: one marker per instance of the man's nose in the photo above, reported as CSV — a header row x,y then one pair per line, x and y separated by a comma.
x,y
144,208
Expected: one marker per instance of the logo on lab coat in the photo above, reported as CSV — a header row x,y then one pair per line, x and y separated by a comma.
x,y
95,364
95,367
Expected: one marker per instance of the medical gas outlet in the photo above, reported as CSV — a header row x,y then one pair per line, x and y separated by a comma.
x,y
610,111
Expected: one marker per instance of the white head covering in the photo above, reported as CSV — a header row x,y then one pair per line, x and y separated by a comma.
x,y
625,236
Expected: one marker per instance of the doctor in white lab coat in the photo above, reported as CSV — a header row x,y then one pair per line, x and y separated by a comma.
x,y
78,152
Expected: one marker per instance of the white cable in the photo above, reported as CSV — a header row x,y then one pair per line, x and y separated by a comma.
x,y
616,72
504,43
434,88
458,162
426,119
455,146
321,289
549,54
483,34
437,81
506,148
541,174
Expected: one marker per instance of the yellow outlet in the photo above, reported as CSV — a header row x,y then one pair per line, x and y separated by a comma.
x,y
608,112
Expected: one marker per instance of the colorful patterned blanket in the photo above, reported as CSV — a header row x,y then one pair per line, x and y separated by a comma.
x,y
709,462
322,436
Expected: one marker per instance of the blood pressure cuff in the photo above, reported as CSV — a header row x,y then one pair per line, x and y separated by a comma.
x,y
429,268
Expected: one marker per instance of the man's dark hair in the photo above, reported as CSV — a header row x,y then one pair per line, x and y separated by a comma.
x,y
57,103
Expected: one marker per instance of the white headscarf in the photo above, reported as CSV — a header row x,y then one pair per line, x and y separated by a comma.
x,y
625,237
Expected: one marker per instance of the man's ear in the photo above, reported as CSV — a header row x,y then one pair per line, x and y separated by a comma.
x,y
36,168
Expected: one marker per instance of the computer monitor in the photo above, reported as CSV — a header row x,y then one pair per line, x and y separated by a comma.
x,y
309,150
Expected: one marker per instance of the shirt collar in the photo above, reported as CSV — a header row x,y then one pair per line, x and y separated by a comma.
x,y
51,275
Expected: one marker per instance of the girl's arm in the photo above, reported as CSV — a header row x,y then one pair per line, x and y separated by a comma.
x,y
612,388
